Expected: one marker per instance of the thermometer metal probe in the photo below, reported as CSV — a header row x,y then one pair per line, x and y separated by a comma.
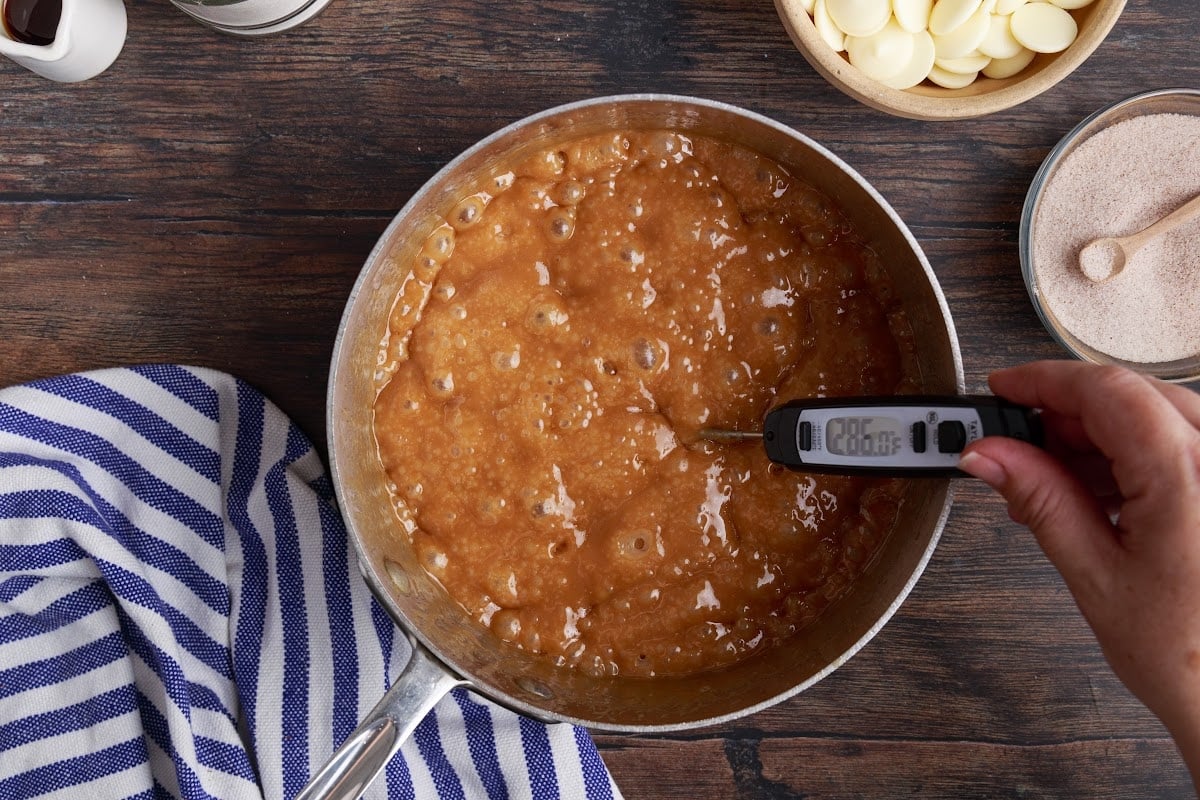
x,y
901,436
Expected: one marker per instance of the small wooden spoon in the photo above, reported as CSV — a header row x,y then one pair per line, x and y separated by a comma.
x,y
1104,258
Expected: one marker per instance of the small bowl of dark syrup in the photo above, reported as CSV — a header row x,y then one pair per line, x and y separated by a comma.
x,y
64,40
32,21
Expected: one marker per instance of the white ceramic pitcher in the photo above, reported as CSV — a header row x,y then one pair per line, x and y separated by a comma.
x,y
90,35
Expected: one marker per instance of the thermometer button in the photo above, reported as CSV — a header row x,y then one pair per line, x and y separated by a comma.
x,y
951,436
918,437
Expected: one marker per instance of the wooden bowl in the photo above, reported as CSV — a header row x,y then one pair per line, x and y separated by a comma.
x,y
929,102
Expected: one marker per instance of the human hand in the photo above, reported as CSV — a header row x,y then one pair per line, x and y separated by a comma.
x,y
1114,502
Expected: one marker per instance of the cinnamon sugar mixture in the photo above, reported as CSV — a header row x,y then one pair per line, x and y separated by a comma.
x,y
1116,183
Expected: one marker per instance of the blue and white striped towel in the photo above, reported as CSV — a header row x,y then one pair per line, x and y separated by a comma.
x,y
180,614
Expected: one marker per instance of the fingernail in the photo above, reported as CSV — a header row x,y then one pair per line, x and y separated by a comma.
x,y
990,472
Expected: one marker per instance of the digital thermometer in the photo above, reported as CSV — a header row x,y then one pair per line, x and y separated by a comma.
x,y
902,436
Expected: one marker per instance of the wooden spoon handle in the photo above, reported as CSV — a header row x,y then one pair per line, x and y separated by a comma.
x,y
1188,211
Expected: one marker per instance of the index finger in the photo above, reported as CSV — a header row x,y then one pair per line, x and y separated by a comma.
x,y
1054,385
1124,414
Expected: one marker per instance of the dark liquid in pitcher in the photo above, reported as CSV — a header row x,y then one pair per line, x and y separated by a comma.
x,y
32,21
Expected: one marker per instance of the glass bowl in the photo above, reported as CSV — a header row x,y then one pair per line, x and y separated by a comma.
x,y
1161,101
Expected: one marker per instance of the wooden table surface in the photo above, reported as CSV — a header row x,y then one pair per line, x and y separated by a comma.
x,y
210,200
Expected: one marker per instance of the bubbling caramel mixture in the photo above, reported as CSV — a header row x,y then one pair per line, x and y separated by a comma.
x,y
559,343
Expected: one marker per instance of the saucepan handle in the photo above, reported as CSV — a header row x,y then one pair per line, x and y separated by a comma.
x,y
371,746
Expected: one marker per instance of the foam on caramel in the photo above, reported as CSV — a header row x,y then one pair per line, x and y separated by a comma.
x,y
558,344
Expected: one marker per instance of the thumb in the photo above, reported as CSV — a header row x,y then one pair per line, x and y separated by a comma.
x,y
1044,495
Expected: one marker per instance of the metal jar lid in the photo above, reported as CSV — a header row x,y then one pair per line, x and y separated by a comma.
x,y
252,17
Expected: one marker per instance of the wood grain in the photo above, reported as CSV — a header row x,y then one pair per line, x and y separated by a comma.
x,y
210,200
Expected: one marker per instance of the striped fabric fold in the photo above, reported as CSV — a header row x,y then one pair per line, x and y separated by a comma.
x,y
181,615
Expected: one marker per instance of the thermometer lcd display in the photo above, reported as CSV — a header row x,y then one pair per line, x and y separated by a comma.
x,y
864,436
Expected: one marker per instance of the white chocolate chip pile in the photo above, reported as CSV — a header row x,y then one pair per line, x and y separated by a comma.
x,y
901,43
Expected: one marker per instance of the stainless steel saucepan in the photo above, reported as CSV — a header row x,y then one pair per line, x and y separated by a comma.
x,y
450,648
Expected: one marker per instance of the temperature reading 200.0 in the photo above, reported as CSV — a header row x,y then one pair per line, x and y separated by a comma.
x,y
863,436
